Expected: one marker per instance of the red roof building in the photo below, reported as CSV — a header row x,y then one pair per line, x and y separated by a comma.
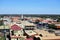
x,y
15,27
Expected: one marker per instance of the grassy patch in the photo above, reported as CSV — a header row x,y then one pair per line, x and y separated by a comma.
x,y
2,38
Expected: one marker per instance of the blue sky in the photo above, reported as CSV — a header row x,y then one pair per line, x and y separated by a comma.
x,y
30,6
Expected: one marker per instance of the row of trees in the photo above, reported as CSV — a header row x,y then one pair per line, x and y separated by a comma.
x,y
1,21
52,26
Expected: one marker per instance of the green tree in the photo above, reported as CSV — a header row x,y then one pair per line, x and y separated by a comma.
x,y
52,26
58,20
1,22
